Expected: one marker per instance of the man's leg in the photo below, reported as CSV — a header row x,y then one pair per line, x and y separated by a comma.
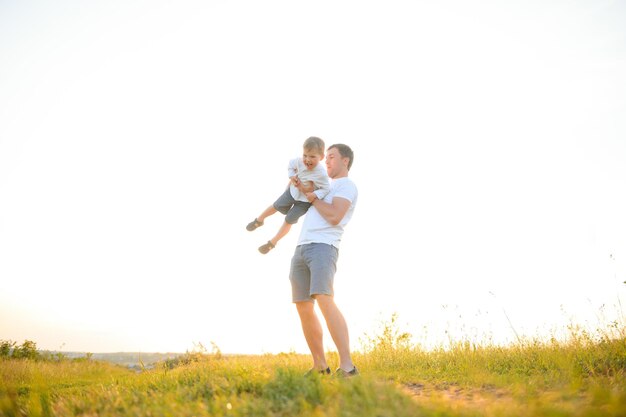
x,y
312,333
338,329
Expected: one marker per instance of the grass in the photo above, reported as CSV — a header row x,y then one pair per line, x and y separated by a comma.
x,y
583,376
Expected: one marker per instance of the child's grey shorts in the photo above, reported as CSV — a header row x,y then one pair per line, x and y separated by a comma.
x,y
290,207
313,268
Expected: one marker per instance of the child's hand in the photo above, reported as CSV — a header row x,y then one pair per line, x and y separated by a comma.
x,y
295,180
305,187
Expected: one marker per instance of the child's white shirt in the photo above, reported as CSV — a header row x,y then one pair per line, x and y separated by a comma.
x,y
317,175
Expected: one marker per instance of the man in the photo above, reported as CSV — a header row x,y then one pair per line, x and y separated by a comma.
x,y
314,262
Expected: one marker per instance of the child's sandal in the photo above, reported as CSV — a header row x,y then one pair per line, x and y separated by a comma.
x,y
253,225
266,247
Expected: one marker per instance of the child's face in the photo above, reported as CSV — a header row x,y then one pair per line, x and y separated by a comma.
x,y
311,158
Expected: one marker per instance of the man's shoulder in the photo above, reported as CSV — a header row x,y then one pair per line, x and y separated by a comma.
x,y
345,187
345,182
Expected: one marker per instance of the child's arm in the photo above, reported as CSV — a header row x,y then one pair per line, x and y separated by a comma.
x,y
321,182
322,185
292,168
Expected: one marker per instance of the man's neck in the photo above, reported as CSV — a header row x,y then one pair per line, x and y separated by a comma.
x,y
342,175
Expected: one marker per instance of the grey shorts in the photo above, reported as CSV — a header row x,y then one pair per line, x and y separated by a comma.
x,y
290,207
313,268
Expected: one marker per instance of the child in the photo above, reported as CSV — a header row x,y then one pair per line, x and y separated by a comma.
x,y
293,203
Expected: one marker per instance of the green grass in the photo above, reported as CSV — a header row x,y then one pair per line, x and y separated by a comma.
x,y
229,386
584,376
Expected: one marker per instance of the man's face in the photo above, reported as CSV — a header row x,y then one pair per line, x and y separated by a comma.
x,y
311,158
334,163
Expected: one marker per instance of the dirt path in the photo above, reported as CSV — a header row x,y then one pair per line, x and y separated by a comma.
x,y
456,396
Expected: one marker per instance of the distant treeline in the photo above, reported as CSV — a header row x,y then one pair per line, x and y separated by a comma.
x,y
27,350
10,349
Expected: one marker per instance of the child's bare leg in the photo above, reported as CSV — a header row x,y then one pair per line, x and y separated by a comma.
x,y
266,213
284,229
258,222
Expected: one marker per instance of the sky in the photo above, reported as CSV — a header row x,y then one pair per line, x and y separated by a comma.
x,y
138,138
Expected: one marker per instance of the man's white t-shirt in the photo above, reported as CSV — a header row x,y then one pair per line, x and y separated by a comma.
x,y
315,229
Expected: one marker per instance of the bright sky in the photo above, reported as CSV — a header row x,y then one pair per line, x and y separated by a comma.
x,y
138,138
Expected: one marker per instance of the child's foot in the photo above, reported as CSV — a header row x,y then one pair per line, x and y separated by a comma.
x,y
266,247
253,225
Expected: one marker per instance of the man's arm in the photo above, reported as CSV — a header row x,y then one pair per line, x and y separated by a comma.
x,y
333,212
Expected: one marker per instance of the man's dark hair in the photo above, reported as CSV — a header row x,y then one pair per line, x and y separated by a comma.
x,y
345,151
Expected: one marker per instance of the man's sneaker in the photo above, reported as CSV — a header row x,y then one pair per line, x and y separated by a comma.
x,y
340,373
312,371
266,247
253,225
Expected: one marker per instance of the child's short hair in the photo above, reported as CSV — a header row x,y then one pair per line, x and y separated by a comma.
x,y
314,144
